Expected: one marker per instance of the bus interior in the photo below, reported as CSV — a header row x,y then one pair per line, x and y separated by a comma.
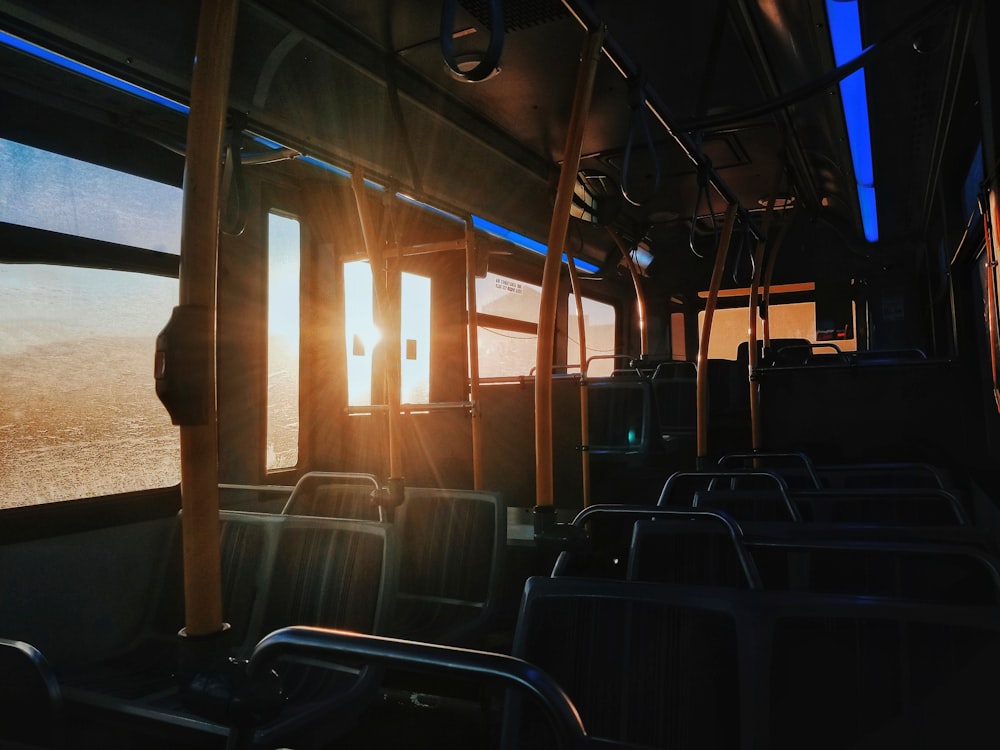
x,y
499,373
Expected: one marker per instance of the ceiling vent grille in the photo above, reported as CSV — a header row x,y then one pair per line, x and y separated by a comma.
x,y
518,14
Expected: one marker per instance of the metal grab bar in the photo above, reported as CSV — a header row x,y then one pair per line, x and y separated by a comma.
x,y
641,512
312,644
713,476
797,455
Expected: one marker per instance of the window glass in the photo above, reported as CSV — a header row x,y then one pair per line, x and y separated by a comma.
x,y
506,348
362,335
599,326
508,298
415,333
283,263
48,191
79,416
730,328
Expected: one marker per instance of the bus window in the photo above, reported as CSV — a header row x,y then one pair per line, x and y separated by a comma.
x,y
79,416
283,263
49,191
362,335
415,335
599,326
796,320
508,325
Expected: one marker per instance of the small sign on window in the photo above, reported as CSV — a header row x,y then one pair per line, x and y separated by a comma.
x,y
509,286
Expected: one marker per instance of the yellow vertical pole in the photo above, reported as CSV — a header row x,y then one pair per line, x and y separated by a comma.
x,y
470,291
386,285
198,270
640,297
772,258
706,332
753,358
990,220
553,263
584,403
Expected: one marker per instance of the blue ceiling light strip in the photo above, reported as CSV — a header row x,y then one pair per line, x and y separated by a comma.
x,y
845,34
54,58
526,242
22,45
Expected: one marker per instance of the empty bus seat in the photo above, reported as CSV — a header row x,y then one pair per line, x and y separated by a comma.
x,y
850,672
704,553
940,573
620,415
692,552
643,663
31,713
674,386
278,570
451,547
605,539
660,665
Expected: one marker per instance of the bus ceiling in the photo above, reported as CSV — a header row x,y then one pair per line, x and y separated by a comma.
x,y
695,104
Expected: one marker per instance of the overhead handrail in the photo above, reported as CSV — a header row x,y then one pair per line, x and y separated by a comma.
x,y
489,64
587,17
325,645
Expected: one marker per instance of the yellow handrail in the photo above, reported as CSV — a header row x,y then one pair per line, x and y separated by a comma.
x,y
197,287
553,264
706,331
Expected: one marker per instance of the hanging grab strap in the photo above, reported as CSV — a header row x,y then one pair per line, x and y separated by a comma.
x,y
490,62
638,119
703,188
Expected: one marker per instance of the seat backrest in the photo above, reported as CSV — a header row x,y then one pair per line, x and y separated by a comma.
x,y
451,555
330,572
689,552
641,664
